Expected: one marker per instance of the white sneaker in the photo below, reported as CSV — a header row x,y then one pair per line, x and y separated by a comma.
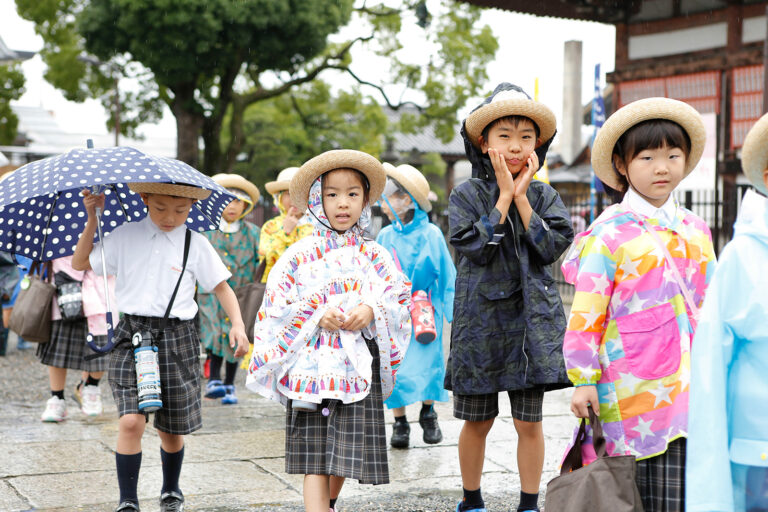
x,y
55,410
91,401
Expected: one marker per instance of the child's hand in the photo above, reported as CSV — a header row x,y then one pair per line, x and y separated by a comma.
x,y
583,398
332,320
238,337
503,177
358,318
292,218
91,202
526,175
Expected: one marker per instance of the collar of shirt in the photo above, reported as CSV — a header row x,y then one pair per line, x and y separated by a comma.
x,y
226,227
638,204
176,236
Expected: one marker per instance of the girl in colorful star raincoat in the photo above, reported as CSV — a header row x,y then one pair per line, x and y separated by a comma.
x,y
640,271
332,330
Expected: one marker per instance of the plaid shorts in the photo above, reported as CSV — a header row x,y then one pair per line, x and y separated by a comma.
x,y
661,479
180,373
67,348
526,405
350,442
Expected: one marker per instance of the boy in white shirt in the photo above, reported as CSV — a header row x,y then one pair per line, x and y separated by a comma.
x,y
147,258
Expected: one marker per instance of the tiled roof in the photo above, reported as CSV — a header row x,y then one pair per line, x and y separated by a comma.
x,y
424,140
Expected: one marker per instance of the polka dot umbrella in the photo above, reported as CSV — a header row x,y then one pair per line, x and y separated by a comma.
x,y
42,213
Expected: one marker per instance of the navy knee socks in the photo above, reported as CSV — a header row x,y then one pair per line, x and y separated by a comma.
x,y
128,476
171,469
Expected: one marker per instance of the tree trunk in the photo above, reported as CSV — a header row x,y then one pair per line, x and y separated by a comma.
x,y
189,124
236,132
212,155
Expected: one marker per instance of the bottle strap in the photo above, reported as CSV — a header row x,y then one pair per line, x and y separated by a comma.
x,y
187,238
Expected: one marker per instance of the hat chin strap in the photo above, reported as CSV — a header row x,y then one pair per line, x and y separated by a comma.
x,y
326,225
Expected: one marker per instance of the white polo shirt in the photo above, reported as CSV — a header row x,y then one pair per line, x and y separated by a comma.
x,y
147,261
638,204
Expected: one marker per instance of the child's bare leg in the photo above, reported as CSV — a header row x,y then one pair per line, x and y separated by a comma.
x,y
336,484
57,378
171,443
130,428
316,493
472,452
400,411
530,454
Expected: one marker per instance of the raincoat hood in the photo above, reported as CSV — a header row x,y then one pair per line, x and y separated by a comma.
x,y
322,225
481,163
753,218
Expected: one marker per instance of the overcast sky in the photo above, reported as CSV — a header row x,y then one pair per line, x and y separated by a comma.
x,y
529,47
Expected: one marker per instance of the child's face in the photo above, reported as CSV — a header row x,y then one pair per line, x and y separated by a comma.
x,y
654,173
234,210
399,201
514,143
167,212
285,200
343,198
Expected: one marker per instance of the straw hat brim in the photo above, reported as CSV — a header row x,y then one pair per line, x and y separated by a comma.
x,y
637,112
485,115
337,159
411,183
754,154
169,189
283,181
238,182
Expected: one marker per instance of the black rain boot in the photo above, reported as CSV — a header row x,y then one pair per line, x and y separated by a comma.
x,y
428,422
3,340
401,434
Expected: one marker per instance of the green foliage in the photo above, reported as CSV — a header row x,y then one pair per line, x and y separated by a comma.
x,y
287,130
433,168
11,88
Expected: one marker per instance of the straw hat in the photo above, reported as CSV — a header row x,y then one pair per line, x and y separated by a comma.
x,y
238,182
169,189
282,182
754,154
413,181
337,159
637,112
511,102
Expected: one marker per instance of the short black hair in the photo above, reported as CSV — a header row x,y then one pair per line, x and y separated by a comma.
x,y
514,120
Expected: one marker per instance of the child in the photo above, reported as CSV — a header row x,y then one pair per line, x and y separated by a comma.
x,y
237,243
147,257
508,316
629,333
332,330
67,347
727,468
279,233
420,249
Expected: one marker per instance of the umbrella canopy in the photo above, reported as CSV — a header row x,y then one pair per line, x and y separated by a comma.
x,y
42,212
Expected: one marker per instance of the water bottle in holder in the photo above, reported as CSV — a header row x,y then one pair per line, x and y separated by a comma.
x,y
147,372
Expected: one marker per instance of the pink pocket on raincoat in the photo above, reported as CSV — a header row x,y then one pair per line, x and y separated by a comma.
x,y
651,341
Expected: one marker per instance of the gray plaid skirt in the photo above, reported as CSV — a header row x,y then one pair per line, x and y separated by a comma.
x,y
661,479
67,348
180,373
526,404
350,442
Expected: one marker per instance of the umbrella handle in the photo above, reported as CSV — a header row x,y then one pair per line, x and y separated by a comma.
x,y
110,338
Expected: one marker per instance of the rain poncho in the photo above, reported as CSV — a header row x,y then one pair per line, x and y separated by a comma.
x,y
629,331
727,467
424,257
293,358
274,240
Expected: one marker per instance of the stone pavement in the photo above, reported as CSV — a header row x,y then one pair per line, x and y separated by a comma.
x,y
236,461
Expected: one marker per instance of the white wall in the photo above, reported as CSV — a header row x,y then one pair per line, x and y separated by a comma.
x,y
678,41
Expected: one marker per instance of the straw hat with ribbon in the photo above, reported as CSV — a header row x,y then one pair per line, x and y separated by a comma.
x,y
237,182
637,112
754,154
169,189
337,159
510,100
412,181
282,182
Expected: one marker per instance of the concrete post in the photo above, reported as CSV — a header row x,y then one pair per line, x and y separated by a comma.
x,y
570,131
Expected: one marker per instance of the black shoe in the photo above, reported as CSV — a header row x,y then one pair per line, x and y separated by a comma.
x,y
127,506
401,435
428,422
171,502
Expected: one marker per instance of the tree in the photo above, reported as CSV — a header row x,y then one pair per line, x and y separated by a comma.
x,y
11,88
212,59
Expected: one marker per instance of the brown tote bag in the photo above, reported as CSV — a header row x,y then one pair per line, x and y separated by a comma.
x,y
250,296
31,315
605,485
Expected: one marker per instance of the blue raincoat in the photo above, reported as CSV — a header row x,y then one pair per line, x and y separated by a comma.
x,y
424,257
727,466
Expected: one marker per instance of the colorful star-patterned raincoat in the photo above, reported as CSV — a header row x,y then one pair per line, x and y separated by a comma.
x,y
630,331
293,358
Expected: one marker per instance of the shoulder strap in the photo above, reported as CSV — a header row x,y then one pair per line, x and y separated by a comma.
x,y
187,238
675,272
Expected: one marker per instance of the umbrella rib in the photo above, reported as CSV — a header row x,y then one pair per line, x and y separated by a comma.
x,y
48,225
120,202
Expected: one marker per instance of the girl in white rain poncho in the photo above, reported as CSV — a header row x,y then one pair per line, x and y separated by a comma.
x,y
333,327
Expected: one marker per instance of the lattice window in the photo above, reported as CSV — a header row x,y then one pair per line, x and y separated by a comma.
x,y
700,90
